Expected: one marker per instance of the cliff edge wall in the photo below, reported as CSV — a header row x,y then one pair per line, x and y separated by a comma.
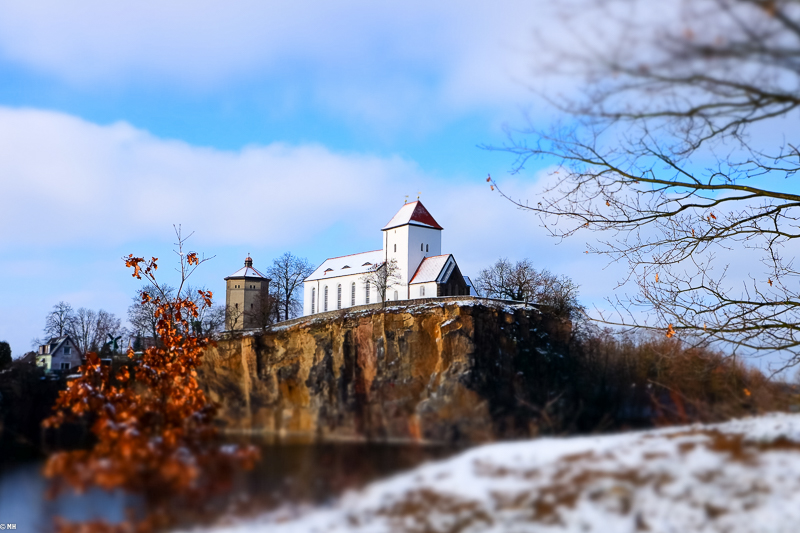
x,y
455,371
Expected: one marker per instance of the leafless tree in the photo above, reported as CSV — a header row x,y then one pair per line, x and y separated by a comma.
x,y
90,329
83,329
59,320
234,317
522,282
266,311
383,276
675,154
287,274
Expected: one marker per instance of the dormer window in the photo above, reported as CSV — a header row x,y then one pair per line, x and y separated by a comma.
x,y
367,264
327,270
346,266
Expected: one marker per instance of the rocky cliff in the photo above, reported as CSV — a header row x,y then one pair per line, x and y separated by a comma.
x,y
455,371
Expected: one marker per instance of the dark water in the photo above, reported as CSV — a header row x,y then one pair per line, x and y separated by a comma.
x,y
287,474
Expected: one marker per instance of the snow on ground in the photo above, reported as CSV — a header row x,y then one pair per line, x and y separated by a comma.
x,y
740,476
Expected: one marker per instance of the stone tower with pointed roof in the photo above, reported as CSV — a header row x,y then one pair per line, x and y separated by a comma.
x,y
244,291
413,238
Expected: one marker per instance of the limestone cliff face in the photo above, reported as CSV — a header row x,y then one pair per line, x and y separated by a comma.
x,y
444,371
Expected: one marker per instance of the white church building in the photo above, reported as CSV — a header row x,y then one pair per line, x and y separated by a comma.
x,y
414,239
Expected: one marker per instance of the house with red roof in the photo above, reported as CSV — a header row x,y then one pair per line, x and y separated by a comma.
x,y
413,240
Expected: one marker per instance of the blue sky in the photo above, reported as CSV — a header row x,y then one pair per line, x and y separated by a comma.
x,y
263,127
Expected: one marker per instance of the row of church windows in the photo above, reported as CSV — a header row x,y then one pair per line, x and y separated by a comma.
x,y
339,296
352,296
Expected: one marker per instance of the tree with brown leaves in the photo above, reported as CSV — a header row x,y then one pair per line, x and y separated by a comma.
x,y
152,422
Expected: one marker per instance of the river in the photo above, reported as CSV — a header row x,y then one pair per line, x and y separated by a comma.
x,y
288,474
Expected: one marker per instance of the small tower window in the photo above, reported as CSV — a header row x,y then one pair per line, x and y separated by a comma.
x,y
367,298
422,290
395,247
395,296
426,248
339,296
353,294
313,299
421,247
325,299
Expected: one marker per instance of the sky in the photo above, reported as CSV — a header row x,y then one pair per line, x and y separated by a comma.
x,y
262,127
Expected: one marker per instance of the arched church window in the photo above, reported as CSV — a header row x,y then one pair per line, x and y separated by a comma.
x,y
395,296
395,247
422,290
339,296
420,247
313,299
426,247
353,294
325,298
367,289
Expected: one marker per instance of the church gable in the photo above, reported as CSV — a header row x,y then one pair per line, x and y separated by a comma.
x,y
444,272
451,282
430,269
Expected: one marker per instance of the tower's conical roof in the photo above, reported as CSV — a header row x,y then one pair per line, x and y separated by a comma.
x,y
247,271
413,213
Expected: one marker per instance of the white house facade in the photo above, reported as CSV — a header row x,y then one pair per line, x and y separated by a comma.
x,y
413,239
58,354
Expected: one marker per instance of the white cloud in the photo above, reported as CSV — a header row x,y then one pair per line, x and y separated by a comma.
x,y
471,51
73,181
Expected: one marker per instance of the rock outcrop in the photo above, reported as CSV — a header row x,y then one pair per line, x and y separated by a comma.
x,y
453,371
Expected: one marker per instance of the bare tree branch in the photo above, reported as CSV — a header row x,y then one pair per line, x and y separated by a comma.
x,y
663,158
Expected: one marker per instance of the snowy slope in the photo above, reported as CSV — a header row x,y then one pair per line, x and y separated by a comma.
x,y
739,476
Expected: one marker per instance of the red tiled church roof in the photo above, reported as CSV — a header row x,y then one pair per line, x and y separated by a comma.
x,y
413,213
